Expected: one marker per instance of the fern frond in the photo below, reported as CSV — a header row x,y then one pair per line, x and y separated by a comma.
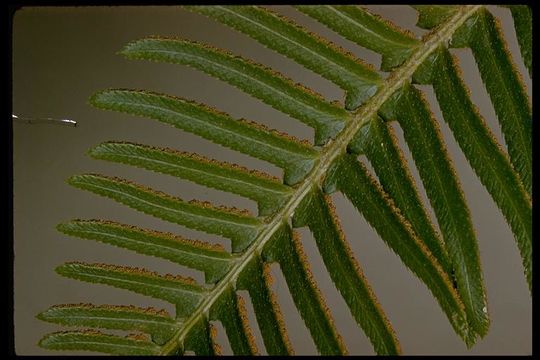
x,y
448,264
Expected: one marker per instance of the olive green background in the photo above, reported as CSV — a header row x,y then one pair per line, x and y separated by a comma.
x,y
63,55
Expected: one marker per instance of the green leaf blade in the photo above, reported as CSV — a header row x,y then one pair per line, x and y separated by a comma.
x,y
150,321
240,228
182,292
286,249
309,50
423,137
317,212
269,193
295,158
214,261
256,278
522,15
230,310
299,162
378,142
369,199
430,16
262,83
201,339
367,30
96,341
506,90
485,155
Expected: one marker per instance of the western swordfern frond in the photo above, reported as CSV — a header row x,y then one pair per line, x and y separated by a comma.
x,y
446,259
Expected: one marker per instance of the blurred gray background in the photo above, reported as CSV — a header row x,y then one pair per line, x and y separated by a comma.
x,y
61,55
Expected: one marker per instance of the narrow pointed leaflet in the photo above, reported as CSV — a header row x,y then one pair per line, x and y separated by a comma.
x,y
295,158
317,212
266,191
287,250
353,180
268,86
256,279
230,310
379,143
182,292
156,323
423,137
308,49
211,259
240,228
91,340
367,30
485,155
